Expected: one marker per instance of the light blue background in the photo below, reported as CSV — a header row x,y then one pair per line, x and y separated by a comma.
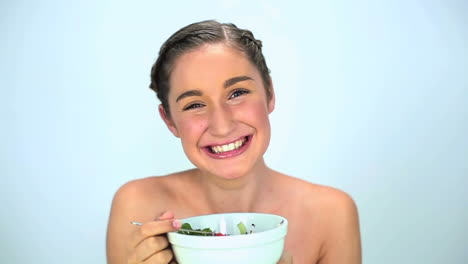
x,y
371,98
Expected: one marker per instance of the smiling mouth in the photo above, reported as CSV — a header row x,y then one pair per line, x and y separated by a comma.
x,y
219,149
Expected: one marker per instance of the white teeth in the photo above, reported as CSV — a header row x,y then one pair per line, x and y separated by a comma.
x,y
228,147
237,144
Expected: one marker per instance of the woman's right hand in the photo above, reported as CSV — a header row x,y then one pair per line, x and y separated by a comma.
x,y
149,244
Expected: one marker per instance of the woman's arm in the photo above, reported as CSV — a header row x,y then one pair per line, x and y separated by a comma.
x,y
119,229
343,240
127,243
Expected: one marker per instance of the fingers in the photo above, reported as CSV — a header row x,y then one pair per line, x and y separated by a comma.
x,y
164,256
166,215
150,246
154,228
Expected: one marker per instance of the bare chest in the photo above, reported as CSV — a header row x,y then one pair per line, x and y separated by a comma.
x,y
305,231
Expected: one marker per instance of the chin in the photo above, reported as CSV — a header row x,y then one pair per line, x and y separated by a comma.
x,y
230,175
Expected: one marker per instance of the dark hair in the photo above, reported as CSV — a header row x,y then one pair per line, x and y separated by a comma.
x,y
195,35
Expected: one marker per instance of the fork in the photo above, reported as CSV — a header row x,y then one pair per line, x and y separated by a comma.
x,y
181,229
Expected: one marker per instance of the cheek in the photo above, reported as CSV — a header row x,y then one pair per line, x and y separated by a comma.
x,y
191,128
256,113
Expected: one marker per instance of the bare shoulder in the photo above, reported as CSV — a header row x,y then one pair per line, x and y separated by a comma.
x,y
333,216
141,200
137,193
340,222
332,199
151,192
321,197
140,190
334,206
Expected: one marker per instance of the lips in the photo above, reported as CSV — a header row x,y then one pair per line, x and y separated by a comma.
x,y
230,149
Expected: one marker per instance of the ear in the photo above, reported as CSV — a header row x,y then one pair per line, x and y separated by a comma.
x,y
168,121
271,102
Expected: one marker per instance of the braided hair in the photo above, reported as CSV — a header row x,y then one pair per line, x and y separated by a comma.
x,y
195,35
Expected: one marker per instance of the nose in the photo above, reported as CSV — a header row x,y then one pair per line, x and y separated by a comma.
x,y
221,121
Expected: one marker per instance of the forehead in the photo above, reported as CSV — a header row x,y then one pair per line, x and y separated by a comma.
x,y
210,65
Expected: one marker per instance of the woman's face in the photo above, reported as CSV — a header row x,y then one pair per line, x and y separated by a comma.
x,y
219,109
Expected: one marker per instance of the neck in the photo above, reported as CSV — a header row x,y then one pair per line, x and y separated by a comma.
x,y
242,194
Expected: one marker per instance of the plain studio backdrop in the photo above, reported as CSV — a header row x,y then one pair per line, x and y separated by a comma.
x,y
371,99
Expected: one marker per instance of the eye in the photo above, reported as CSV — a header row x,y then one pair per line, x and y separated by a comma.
x,y
192,106
238,92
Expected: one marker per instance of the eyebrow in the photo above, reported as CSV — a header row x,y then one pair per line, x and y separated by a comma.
x,y
188,94
234,80
227,83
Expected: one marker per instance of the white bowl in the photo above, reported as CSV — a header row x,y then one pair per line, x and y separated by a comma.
x,y
263,246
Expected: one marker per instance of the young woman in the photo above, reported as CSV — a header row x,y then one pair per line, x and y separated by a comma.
x,y
216,96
